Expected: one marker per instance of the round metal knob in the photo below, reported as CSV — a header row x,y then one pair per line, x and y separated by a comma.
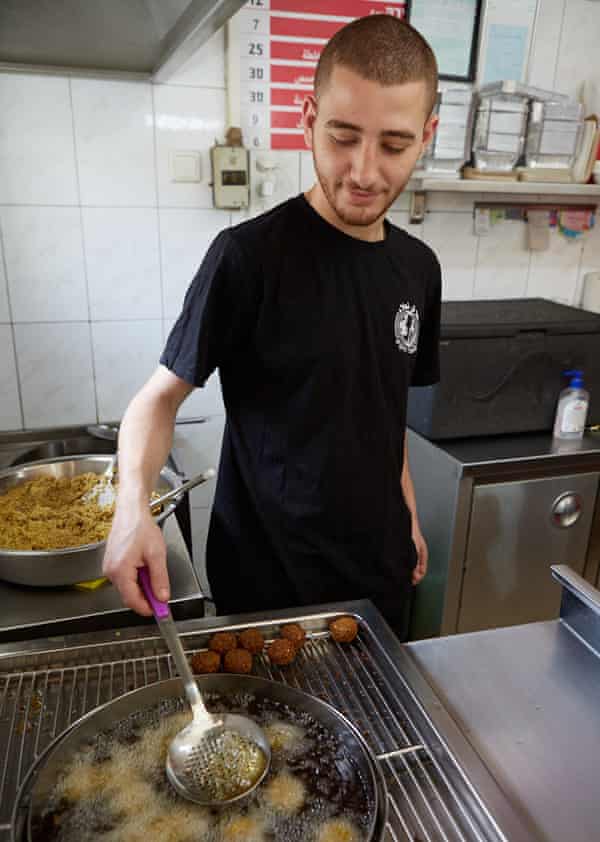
x,y
567,509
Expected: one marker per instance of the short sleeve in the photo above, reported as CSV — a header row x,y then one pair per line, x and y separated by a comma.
x,y
218,314
427,366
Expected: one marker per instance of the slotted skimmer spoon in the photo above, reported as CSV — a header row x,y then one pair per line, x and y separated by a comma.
x,y
105,492
216,759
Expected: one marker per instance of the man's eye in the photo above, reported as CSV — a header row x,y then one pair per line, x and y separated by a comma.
x,y
343,141
395,150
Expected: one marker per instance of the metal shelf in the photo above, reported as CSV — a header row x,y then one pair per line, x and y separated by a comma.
x,y
540,188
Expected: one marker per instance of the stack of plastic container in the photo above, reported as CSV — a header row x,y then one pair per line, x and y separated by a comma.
x,y
450,147
516,123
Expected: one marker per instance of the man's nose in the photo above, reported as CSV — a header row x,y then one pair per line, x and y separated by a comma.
x,y
364,165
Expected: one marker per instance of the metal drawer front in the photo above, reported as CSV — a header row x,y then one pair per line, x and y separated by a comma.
x,y
517,530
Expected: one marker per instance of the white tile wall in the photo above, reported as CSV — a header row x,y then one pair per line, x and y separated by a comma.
x,y
546,42
207,400
37,153
505,278
55,371
578,48
44,262
4,309
125,354
307,171
206,68
186,119
10,408
200,522
185,236
197,447
114,138
591,249
400,218
100,245
553,273
286,177
123,263
450,235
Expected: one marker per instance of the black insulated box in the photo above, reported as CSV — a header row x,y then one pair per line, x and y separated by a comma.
x,y
502,368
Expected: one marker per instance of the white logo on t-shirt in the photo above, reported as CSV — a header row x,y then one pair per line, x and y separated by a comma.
x,y
406,328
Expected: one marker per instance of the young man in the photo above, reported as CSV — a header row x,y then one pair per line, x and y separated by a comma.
x,y
319,315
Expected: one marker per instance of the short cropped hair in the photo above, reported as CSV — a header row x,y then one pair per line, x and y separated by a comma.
x,y
381,48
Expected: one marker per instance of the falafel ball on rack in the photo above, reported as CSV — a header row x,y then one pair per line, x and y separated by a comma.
x,y
343,629
252,640
238,660
281,652
222,642
205,662
295,633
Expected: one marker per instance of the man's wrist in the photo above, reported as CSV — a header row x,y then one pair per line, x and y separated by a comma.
x,y
133,497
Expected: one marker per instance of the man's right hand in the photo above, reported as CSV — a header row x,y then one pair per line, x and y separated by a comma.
x,y
136,541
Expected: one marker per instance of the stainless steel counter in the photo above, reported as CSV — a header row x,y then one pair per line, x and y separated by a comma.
x,y
481,454
528,700
42,612
492,511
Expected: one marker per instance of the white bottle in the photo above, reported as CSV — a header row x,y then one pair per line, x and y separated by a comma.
x,y
571,412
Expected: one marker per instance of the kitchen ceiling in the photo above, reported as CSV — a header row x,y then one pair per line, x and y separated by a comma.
x,y
147,38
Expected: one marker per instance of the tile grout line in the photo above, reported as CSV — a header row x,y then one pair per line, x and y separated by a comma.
x,y
109,207
158,209
84,252
12,331
582,261
560,39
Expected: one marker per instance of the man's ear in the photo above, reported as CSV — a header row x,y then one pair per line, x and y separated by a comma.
x,y
429,131
309,115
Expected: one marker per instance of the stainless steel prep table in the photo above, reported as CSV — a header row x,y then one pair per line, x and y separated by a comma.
x,y
44,612
27,613
497,512
528,700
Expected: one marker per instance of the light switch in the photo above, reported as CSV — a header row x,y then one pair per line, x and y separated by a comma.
x,y
186,165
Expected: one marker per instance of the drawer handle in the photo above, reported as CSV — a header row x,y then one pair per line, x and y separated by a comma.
x,y
567,509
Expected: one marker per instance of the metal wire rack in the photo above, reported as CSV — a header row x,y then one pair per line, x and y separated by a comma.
x,y
41,695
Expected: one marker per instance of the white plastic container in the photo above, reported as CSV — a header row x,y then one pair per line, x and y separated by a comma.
x,y
572,409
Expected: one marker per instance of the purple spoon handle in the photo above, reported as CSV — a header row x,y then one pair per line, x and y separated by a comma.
x,y
159,609
168,630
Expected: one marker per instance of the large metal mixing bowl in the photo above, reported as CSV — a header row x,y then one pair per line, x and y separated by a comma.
x,y
41,780
50,568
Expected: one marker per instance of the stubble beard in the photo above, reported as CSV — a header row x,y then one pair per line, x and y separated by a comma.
x,y
364,217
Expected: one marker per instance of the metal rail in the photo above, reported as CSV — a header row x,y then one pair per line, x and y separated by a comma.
x,y
40,701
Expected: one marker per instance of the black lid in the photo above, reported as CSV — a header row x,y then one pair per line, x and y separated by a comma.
x,y
507,317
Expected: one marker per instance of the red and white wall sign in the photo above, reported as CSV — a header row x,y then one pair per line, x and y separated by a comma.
x,y
281,41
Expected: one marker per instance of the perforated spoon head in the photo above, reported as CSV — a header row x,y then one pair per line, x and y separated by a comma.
x,y
219,762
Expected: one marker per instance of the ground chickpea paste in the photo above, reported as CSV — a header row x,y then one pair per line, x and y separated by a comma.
x,y
52,514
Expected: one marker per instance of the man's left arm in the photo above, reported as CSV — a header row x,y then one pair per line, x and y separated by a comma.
x,y
408,490
426,372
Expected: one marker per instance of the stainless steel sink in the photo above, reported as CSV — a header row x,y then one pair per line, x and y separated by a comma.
x,y
76,446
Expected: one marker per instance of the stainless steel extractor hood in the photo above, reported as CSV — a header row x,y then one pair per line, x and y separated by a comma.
x,y
147,39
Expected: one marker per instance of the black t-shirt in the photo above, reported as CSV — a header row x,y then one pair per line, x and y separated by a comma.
x,y
317,336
